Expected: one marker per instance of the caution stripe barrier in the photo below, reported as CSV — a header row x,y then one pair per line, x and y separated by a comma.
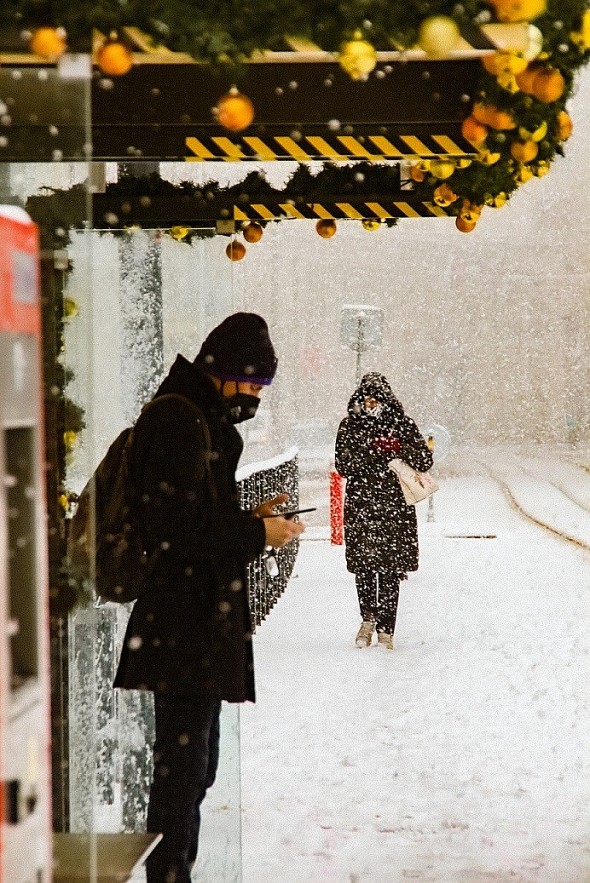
x,y
337,211
337,148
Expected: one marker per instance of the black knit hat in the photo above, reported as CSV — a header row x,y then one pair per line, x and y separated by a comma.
x,y
240,349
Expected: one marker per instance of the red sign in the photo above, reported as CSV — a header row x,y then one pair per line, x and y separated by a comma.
x,y
19,272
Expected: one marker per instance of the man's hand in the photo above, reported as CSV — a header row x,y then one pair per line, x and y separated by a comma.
x,y
266,509
280,531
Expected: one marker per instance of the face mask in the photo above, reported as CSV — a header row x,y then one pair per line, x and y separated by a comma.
x,y
242,406
375,411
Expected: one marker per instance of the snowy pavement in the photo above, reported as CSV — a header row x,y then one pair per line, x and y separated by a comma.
x,y
463,755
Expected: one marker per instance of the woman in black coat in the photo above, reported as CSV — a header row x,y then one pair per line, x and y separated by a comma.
x,y
380,528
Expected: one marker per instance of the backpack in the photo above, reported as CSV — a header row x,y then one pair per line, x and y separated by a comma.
x,y
108,550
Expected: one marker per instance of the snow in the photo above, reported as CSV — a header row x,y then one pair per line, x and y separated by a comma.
x,y
463,754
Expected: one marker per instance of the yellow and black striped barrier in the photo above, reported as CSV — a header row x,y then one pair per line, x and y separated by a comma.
x,y
329,147
336,211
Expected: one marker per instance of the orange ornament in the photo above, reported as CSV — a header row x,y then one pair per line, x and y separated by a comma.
x,y
235,251
481,112
416,174
474,131
565,125
465,226
326,229
518,10
524,151
548,85
525,80
234,111
500,119
114,58
252,232
48,42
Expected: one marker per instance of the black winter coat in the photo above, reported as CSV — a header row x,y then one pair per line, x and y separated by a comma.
x,y
380,529
191,629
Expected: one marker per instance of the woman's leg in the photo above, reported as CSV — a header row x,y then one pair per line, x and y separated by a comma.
x,y
366,589
388,595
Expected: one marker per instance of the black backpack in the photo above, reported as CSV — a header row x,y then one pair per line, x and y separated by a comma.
x,y
108,550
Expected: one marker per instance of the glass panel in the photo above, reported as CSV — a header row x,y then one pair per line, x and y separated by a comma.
x,y
149,298
45,133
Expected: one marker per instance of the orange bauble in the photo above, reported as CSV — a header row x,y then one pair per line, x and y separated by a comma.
x,y
326,229
548,85
474,131
518,10
416,174
500,119
252,232
465,226
565,125
114,58
234,111
235,251
481,112
524,151
525,80
48,42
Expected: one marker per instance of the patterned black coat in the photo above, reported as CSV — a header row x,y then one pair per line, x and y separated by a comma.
x,y
380,529
191,630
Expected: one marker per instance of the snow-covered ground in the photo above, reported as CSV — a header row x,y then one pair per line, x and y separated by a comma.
x,y
463,755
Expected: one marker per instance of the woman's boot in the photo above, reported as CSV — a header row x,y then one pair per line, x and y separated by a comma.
x,y
365,634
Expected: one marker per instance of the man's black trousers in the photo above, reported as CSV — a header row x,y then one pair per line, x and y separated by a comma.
x,y
186,754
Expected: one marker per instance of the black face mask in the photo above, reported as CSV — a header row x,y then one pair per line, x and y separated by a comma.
x,y
242,406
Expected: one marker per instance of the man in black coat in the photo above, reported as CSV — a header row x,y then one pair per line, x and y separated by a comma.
x,y
189,637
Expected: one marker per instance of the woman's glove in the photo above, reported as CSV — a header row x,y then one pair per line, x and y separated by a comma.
x,y
388,445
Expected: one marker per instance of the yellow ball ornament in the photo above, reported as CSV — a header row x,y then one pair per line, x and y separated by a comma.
x,y
438,35
357,57
582,37
70,439
179,233
234,111
498,200
442,168
70,308
371,224
541,168
536,135
49,43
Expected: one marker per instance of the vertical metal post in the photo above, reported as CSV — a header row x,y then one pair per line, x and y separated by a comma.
x,y
359,348
430,515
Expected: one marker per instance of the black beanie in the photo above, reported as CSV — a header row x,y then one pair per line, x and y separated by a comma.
x,y
240,349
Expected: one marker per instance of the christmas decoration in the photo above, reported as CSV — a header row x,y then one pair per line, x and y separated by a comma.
x,y
370,224
71,308
114,58
548,85
464,226
565,126
444,196
252,232
234,111
524,151
357,57
442,168
474,131
326,229
49,43
179,233
518,10
438,35
235,250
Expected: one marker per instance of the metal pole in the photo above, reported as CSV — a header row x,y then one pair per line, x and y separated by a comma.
x,y
359,345
430,515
